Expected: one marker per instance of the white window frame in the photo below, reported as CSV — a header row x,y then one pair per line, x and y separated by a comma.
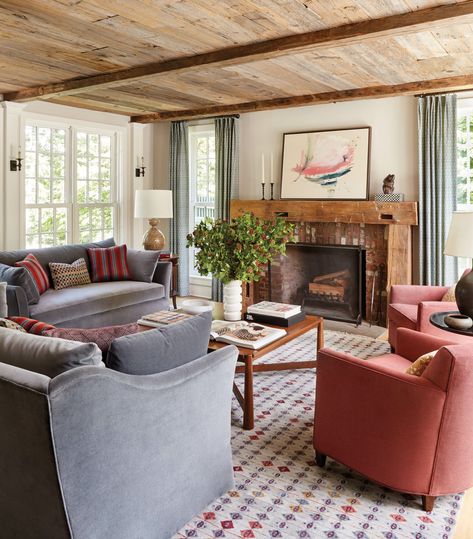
x,y
119,141
199,285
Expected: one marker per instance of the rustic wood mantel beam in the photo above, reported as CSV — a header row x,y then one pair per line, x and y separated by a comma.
x,y
461,82
341,35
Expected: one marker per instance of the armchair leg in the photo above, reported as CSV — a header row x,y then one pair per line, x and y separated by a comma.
x,y
428,503
320,459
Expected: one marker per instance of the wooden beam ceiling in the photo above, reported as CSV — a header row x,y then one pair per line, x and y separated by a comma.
x,y
429,86
353,33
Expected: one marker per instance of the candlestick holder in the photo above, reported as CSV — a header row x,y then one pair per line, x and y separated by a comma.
x,y
262,191
272,191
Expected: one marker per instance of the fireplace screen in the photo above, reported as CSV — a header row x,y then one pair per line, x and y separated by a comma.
x,y
327,280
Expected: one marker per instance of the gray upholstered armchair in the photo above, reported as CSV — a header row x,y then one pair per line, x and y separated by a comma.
x,y
98,454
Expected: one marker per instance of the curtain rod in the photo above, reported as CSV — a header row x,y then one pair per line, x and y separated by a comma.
x,y
442,93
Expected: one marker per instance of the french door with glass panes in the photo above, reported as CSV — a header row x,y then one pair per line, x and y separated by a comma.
x,y
70,185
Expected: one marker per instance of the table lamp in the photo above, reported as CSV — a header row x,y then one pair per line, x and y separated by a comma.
x,y
153,204
460,243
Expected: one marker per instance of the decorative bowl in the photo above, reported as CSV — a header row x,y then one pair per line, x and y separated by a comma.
x,y
458,321
196,306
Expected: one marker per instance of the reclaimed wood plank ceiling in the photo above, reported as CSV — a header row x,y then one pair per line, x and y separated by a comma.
x,y
159,59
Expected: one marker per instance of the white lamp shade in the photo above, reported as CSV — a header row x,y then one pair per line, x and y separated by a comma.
x,y
153,203
460,236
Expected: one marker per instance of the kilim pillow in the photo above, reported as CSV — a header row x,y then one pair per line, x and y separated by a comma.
x,y
109,264
40,277
102,337
421,363
30,325
67,275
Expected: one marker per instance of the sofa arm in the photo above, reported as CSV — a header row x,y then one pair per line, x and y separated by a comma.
x,y
159,443
369,417
414,294
427,308
16,301
163,274
413,344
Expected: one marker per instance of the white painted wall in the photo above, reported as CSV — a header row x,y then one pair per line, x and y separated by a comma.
x,y
393,139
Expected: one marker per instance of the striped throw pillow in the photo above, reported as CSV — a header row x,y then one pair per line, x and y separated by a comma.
x,y
30,325
67,275
108,264
37,272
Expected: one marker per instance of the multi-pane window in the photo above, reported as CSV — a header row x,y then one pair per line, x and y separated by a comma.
x,y
202,176
70,185
46,212
94,186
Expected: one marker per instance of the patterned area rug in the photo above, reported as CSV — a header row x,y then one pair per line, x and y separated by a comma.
x,y
279,492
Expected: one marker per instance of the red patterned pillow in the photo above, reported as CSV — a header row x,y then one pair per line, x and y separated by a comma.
x,y
109,264
30,325
102,337
40,277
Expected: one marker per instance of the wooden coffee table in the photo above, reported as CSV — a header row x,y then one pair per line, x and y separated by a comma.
x,y
249,356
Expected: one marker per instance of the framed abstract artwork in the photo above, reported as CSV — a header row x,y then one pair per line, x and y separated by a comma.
x,y
326,165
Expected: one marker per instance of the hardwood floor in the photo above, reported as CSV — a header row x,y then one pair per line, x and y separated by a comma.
x,y
464,528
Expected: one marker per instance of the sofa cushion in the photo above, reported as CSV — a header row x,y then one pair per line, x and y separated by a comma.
x,y
67,275
20,277
108,264
403,315
58,306
158,350
64,253
142,264
45,355
37,272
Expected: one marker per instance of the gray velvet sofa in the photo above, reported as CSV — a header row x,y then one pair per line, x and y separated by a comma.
x,y
93,453
92,305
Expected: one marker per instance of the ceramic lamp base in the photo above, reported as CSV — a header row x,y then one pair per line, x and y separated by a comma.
x,y
232,301
154,239
464,294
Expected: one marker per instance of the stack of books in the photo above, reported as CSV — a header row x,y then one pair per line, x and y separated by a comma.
x,y
277,314
163,318
244,334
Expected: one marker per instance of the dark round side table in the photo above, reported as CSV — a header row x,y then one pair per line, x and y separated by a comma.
x,y
437,320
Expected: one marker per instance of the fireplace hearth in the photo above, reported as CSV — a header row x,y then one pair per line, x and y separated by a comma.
x,y
326,280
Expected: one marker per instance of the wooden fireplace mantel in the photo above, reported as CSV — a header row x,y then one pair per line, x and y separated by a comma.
x,y
397,217
331,211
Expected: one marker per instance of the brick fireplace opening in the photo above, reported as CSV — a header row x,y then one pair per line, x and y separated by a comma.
x,y
326,280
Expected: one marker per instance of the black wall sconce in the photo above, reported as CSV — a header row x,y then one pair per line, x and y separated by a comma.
x,y
15,164
140,171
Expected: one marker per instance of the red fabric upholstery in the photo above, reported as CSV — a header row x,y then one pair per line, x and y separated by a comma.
x,y
40,277
411,307
409,433
108,264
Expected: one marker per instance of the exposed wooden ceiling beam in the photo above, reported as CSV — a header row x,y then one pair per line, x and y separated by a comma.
x,y
429,86
346,34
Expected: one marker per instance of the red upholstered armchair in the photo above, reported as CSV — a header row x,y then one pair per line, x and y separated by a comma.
x,y
411,306
409,433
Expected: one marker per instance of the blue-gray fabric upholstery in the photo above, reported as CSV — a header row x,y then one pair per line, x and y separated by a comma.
x,y
158,350
98,454
103,304
46,355
142,264
20,277
57,306
16,301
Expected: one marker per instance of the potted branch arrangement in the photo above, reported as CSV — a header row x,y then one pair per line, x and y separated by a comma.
x,y
236,252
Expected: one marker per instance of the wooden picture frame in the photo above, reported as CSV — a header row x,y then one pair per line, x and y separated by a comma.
x,y
332,164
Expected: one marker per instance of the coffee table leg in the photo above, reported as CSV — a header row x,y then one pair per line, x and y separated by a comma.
x,y
248,411
320,335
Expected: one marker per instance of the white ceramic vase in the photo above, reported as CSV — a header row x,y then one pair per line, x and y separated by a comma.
x,y
232,301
